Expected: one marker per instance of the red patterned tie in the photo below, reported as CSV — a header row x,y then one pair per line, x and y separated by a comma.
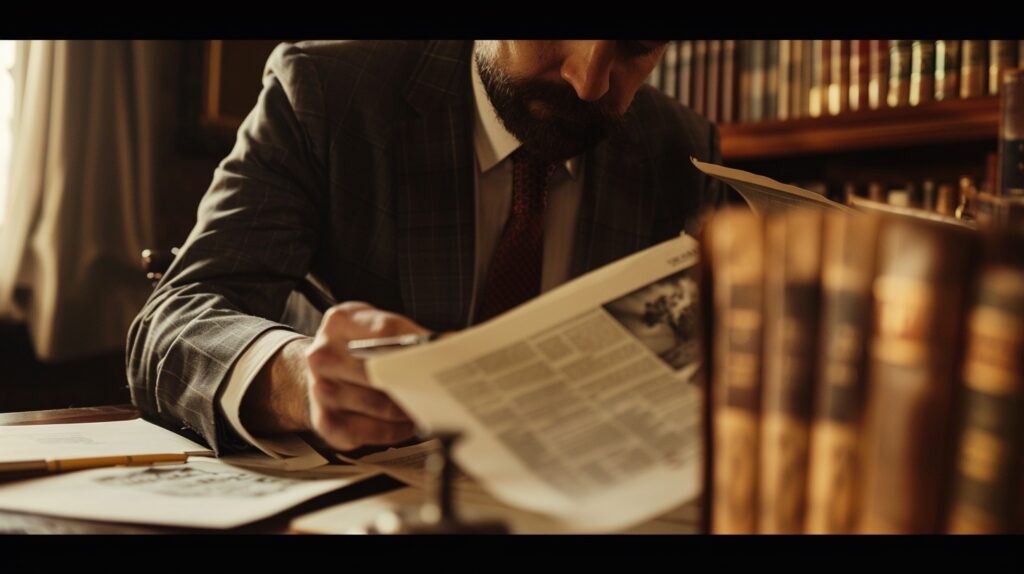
x,y
513,276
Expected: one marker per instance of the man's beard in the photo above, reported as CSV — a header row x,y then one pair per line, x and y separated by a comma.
x,y
569,125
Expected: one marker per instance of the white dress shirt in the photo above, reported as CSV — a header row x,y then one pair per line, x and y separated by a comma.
x,y
493,145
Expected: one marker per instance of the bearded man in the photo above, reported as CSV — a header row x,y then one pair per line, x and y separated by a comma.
x,y
430,185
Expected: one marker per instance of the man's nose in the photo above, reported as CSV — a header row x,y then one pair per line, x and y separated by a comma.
x,y
588,68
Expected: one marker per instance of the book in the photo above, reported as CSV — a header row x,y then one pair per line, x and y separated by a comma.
x,y
973,72
947,69
878,85
792,268
847,270
670,63
729,81
899,73
839,77
988,467
817,94
771,80
735,241
919,295
922,72
700,66
785,80
1002,56
860,74
685,73
714,81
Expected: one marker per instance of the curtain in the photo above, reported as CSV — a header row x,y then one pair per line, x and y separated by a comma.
x,y
80,202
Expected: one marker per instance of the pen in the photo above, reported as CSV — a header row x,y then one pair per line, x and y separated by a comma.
x,y
39,467
363,348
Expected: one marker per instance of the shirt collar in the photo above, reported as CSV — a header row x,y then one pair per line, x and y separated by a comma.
x,y
492,141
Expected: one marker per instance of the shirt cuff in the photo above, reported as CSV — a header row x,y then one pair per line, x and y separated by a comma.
x,y
242,375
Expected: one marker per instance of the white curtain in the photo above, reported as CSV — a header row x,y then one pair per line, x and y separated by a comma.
x,y
81,192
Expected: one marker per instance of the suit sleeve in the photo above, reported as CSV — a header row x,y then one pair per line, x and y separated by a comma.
x,y
256,231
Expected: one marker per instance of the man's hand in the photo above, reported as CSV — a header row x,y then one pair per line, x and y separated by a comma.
x,y
317,385
343,408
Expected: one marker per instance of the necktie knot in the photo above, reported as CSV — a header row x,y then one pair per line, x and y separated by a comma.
x,y
530,177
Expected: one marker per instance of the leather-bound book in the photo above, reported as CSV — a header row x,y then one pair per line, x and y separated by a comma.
x,y
792,271
848,266
987,473
735,244
913,355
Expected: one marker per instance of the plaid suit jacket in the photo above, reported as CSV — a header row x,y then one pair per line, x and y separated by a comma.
x,y
356,164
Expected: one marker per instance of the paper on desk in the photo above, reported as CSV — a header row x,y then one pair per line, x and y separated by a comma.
x,y
204,493
355,516
583,404
82,440
293,454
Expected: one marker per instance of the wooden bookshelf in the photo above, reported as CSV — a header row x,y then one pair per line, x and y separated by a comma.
x,y
951,121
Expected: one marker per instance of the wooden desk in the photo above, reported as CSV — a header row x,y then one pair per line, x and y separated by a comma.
x,y
22,523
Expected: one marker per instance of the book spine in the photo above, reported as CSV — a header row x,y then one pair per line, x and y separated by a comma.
x,y
818,86
785,92
848,262
654,78
919,294
839,76
792,268
714,80
771,80
743,94
860,74
685,72
989,450
802,94
1010,167
972,68
947,69
736,247
922,72
899,73
757,80
878,86
700,66
671,61
729,80
1002,55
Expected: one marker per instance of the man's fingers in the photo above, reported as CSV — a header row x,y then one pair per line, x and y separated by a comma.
x,y
354,320
341,396
334,364
348,430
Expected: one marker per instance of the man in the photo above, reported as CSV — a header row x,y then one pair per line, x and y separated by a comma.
x,y
431,185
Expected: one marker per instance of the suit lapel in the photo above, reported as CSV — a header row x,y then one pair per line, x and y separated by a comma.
x,y
617,208
433,159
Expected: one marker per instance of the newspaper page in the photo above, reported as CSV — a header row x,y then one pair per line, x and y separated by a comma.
x,y
583,404
409,465
204,493
764,194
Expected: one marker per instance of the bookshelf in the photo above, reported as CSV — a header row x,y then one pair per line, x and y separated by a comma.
x,y
947,122
834,114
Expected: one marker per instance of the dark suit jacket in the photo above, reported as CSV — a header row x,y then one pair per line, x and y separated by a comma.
x,y
357,163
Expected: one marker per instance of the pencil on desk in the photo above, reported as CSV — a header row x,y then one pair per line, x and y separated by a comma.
x,y
42,467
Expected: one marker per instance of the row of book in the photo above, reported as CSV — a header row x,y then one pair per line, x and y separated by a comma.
x,y
865,374
743,81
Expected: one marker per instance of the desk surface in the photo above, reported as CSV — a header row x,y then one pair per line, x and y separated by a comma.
x,y
23,523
